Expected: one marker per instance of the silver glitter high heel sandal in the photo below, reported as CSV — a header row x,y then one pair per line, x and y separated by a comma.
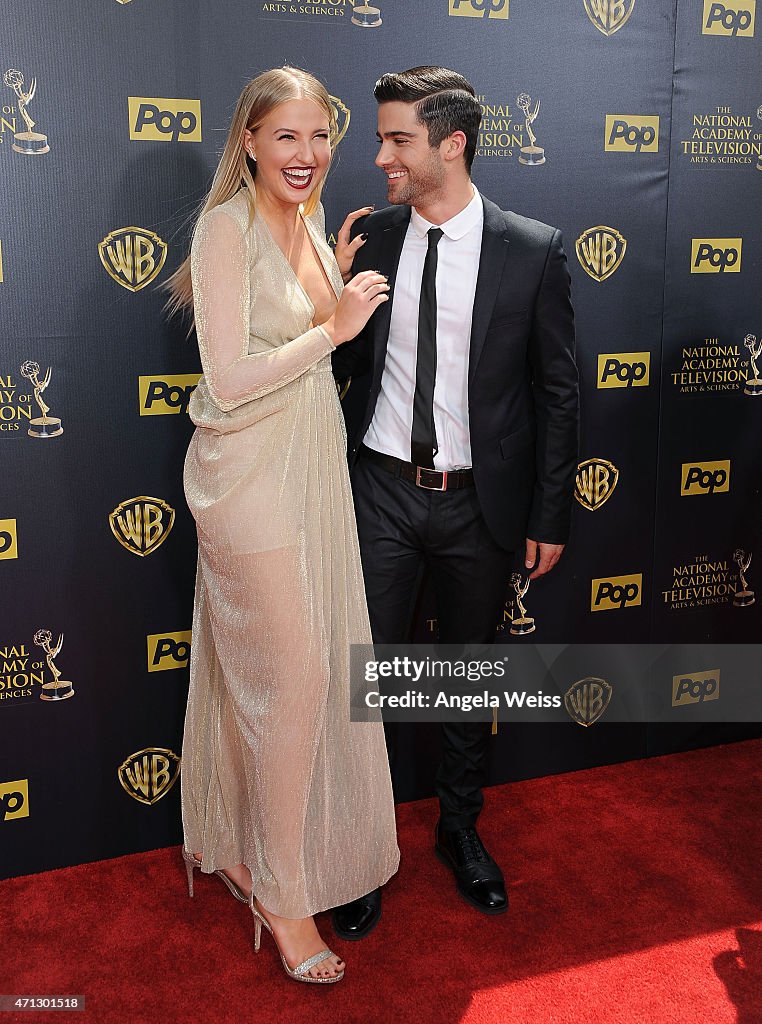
x,y
191,863
298,973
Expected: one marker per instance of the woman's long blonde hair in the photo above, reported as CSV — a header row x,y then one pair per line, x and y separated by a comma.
x,y
259,98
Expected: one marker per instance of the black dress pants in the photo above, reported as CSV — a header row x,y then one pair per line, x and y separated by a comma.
x,y
404,529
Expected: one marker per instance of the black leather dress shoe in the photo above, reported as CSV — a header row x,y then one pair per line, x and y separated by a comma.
x,y
357,919
478,878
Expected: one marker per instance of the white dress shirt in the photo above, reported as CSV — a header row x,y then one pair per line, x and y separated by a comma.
x,y
457,268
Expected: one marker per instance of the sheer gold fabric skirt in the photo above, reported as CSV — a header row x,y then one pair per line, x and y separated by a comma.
x,y
274,774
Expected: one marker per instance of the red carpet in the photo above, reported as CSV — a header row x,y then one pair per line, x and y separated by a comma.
x,y
636,896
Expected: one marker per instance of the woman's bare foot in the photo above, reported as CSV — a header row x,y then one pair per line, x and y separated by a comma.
x,y
298,940
239,874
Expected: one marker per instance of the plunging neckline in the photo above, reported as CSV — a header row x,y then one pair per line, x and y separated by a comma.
x,y
287,262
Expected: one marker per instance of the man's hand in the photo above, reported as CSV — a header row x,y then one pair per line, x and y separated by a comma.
x,y
549,555
345,250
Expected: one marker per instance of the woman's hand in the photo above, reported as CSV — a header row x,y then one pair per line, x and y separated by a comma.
x,y
359,301
345,250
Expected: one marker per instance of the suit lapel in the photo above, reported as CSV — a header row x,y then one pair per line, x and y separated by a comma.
x,y
491,262
387,260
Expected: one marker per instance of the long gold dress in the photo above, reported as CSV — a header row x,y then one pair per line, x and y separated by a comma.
x,y
274,774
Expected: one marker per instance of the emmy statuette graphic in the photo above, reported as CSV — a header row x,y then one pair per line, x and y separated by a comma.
x,y
753,384
533,155
58,689
366,16
40,426
743,598
525,623
30,142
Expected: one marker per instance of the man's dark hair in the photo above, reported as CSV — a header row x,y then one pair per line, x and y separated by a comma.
x,y
445,102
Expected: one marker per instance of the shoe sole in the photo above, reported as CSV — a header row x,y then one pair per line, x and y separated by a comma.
x,y
492,912
355,936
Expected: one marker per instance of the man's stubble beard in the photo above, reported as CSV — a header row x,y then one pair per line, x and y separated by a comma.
x,y
425,186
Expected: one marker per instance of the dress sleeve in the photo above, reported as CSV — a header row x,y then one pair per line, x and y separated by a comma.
x,y
222,300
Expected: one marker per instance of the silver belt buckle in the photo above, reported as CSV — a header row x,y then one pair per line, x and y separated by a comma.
x,y
422,469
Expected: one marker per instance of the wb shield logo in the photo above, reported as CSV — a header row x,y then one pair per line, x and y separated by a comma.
x,y
600,251
166,395
695,688
149,774
631,133
716,255
587,699
142,524
162,120
705,477
132,256
168,650
608,16
343,114
14,800
623,369
8,539
728,18
479,9
616,593
595,483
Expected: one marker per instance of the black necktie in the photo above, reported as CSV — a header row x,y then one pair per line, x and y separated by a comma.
x,y
423,445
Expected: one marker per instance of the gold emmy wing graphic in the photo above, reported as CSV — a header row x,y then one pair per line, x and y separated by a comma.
x,y
753,384
142,524
587,699
743,598
524,623
132,256
532,155
366,16
58,689
595,483
149,774
30,142
608,16
600,251
343,115
40,426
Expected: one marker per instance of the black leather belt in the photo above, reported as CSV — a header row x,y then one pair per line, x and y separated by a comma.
x,y
428,479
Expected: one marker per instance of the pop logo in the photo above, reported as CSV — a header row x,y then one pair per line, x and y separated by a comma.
x,y
168,650
166,395
716,255
705,477
479,8
163,120
728,18
631,133
623,369
8,540
695,688
14,800
616,592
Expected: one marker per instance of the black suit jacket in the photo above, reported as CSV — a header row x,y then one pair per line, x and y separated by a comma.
x,y
523,403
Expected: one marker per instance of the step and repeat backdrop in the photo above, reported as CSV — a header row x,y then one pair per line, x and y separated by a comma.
x,y
633,125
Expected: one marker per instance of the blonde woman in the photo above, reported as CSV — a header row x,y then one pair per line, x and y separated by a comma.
x,y
282,796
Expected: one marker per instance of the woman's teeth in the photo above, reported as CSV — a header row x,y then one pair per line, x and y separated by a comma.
x,y
298,178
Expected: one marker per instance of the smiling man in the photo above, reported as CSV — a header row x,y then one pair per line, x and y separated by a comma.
x,y
467,449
